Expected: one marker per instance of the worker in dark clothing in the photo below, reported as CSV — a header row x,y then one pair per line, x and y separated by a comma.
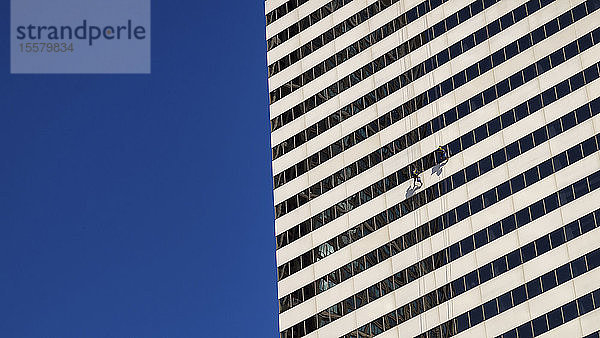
x,y
443,153
415,175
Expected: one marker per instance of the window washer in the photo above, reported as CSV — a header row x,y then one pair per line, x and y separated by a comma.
x,y
416,178
443,153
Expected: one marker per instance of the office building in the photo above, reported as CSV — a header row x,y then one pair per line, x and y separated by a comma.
x,y
436,167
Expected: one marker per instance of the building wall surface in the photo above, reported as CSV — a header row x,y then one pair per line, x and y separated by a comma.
x,y
501,238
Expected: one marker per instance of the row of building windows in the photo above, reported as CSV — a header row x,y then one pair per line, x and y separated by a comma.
x,y
425,98
446,220
370,39
459,144
556,317
410,45
493,307
499,266
455,251
282,10
476,277
471,243
328,36
348,24
458,286
388,58
408,77
452,217
446,185
528,291
430,127
474,136
367,70
305,22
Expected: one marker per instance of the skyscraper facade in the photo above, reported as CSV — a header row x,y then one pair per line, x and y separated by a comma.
x,y
436,167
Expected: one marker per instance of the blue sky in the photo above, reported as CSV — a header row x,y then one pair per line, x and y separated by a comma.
x,y
141,206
